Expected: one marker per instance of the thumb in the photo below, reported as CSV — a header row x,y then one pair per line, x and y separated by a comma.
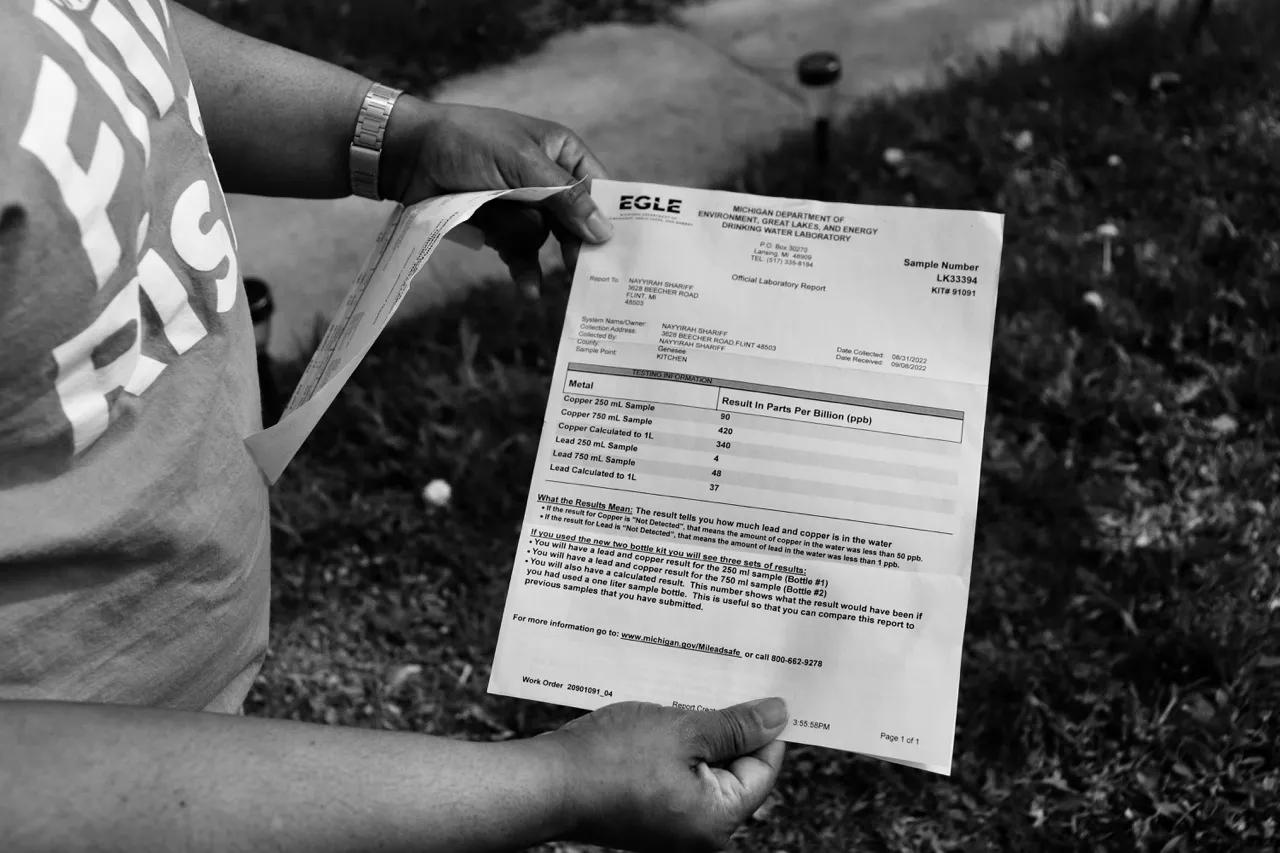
x,y
574,208
577,210
740,729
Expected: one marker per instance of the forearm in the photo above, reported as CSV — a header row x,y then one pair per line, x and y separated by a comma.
x,y
78,777
278,122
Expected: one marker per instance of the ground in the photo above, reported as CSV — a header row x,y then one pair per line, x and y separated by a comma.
x,y
417,43
1122,653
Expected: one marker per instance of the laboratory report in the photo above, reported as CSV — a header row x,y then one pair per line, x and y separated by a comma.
x,y
759,465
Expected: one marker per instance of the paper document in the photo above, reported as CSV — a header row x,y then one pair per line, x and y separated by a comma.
x,y
403,248
758,472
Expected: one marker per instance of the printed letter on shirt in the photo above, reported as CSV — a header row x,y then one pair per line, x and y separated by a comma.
x,y
85,192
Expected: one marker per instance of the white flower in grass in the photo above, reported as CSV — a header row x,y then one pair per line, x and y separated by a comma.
x,y
1224,426
437,493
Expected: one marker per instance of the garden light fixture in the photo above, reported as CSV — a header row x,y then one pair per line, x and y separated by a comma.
x,y
819,73
1107,232
261,307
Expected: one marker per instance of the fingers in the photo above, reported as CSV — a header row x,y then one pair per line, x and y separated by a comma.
x,y
566,160
467,236
575,158
575,219
757,772
570,246
743,786
569,250
517,232
526,272
578,212
727,734
562,158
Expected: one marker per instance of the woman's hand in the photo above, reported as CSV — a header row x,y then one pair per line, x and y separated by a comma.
x,y
432,149
647,777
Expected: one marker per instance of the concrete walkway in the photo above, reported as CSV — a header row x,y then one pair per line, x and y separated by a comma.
x,y
682,103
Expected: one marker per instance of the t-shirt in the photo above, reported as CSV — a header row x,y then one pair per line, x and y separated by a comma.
x,y
133,524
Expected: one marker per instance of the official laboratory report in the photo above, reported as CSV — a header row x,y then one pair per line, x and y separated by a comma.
x,y
758,472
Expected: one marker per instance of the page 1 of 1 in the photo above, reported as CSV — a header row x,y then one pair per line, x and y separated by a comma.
x,y
758,472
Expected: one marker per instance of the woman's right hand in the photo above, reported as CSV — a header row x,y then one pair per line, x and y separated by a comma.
x,y
647,777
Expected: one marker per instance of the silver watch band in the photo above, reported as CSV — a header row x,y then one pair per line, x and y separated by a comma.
x,y
366,144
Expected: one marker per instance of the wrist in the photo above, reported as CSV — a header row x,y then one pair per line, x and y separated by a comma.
x,y
568,783
402,145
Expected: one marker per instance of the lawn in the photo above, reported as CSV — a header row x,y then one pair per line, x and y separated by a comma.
x,y
1122,656
418,43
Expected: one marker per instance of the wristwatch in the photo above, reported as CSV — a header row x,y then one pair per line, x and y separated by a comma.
x,y
366,145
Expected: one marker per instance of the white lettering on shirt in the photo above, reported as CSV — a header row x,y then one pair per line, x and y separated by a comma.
x,y
181,325
82,387
147,16
138,58
85,192
198,226
102,75
205,251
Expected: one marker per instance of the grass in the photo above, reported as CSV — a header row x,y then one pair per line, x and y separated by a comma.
x,y
1122,654
418,43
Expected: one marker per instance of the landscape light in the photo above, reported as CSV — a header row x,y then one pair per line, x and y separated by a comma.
x,y
261,307
819,73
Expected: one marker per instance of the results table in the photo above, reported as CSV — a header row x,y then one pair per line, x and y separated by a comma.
x,y
736,443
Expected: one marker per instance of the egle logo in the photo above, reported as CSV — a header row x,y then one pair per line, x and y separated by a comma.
x,y
652,208
652,203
